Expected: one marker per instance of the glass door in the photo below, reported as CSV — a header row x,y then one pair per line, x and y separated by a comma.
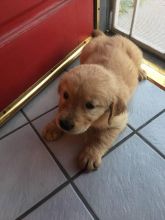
x,y
143,21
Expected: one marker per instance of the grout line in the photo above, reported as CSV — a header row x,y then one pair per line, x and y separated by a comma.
x,y
88,207
147,122
109,151
131,127
119,143
148,142
48,149
16,129
64,172
26,123
43,113
42,201
49,196
151,145
77,175
150,120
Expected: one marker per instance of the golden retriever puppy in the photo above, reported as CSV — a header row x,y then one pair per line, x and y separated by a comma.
x,y
95,94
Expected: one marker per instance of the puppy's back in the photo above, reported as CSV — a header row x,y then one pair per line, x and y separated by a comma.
x,y
117,54
103,45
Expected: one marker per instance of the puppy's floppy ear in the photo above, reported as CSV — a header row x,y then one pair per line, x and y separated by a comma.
x,y
116,107
119,106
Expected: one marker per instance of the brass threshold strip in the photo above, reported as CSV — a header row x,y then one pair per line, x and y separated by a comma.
x,y
154,73
17,104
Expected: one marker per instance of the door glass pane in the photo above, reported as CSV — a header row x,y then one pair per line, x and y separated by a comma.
x,y
149,26
123,15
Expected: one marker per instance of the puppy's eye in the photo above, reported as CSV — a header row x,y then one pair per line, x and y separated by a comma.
x,y
89,105
66,95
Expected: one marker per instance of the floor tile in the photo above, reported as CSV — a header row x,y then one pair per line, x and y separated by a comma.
x,y
67,148
27,172
14,123
155,132
129,184
123,134
44,101
64,206
147,101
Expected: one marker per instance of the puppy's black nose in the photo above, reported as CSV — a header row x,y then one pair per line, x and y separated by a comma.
x,y
66,124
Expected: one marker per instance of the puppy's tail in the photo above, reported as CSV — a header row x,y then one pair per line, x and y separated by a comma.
x,y
97,33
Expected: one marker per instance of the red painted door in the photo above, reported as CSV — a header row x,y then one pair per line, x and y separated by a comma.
x,y
34,36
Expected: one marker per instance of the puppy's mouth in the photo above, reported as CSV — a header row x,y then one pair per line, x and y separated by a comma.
x,y
69,127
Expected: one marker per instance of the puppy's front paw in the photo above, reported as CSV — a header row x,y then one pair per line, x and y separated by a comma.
x,y
89,159
51,132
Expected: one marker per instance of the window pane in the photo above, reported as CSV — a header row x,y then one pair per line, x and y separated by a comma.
x,y
149,26
123,15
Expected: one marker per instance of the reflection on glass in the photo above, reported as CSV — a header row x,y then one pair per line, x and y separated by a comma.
x,y
124,13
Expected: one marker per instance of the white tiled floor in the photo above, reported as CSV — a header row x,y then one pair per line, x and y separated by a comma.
x,y
16,122
27,172
58,208
44,101
129,185
41,181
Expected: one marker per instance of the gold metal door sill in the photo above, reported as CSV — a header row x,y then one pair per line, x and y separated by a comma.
x,y
154,73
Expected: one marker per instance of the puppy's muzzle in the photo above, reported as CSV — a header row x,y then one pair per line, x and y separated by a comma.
x,y
66,124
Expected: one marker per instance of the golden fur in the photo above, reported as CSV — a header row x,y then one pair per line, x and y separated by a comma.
x,y
95,94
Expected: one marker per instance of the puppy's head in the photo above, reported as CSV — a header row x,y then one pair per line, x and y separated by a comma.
x,y
86,94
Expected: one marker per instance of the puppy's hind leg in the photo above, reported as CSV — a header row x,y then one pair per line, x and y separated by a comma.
x,y
136,56
142,74
97,33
